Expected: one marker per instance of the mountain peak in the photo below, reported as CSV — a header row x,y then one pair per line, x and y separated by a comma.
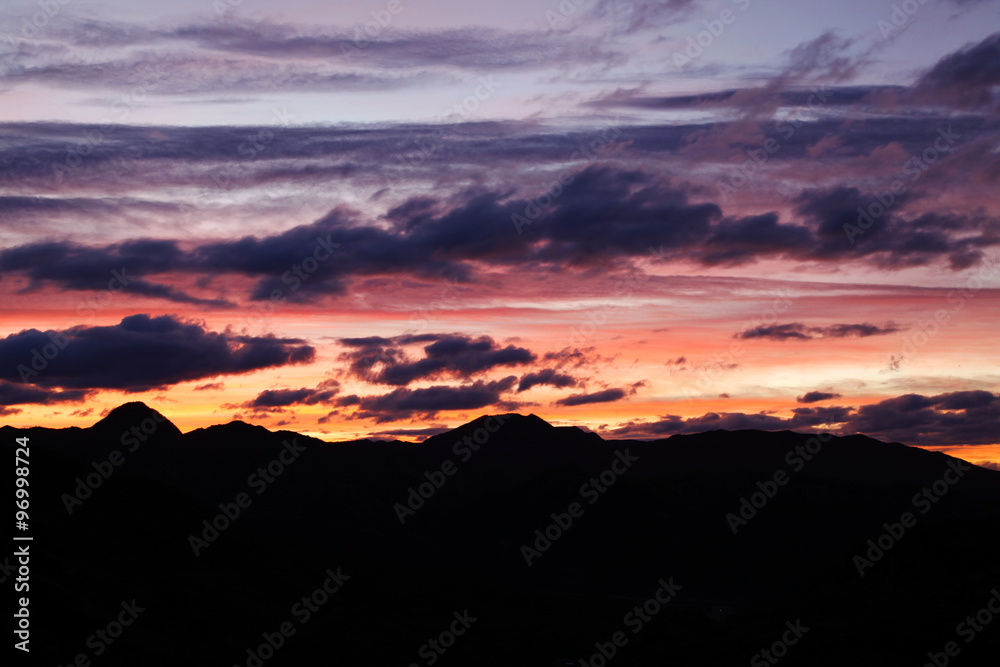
x,y
136,414
511,421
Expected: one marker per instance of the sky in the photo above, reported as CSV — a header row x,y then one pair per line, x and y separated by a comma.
x,y
388,218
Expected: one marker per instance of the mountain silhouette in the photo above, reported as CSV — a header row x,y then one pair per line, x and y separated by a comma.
x,y
482,519
136,414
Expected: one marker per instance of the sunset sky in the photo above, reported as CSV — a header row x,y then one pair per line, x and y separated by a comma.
x,y
390,217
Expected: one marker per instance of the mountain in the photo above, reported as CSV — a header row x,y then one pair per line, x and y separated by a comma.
x,y
137,415
550,537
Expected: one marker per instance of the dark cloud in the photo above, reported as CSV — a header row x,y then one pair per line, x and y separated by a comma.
x,y
832,97
344,401
384,361
22,394
140,353
606,216
118,268
816,397
956,418
403,403
279,398
969,75
547,376
799,331
845,227
603,215
744,240
604,396
241,56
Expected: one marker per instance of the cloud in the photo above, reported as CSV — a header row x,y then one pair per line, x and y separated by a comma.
x,y
955,418
241,56
279,398
211,386
117,268
20,394
547,376
140,353
816,397
632,16
824,58
604,396
744,240
804,419
799,331
968,76
833,96
605,216
384,361
427,402
950,419
419,433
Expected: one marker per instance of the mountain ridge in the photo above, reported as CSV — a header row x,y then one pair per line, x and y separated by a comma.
x,y
444,524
